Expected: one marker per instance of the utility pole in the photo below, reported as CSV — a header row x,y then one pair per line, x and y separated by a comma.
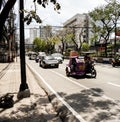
x,y
115,38
23,91
115,26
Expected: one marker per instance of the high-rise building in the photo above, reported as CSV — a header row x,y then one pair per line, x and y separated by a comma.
x,y
34,32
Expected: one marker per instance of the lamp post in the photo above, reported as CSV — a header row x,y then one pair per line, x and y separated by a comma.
x,y
23,85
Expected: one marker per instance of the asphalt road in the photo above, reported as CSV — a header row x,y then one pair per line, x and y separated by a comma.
x,y
85,96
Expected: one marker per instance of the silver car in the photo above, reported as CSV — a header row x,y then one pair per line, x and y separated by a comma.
x,y
49,61
58,56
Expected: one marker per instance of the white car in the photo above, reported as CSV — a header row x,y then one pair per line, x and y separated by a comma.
x,y
58,56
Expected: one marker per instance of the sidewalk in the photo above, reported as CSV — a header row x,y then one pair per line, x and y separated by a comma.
x,y
35,108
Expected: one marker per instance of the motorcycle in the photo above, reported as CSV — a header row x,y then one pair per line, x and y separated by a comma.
x,y
90,69
116,60
78,67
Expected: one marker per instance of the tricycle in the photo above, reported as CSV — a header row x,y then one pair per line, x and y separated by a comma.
x,y
79,66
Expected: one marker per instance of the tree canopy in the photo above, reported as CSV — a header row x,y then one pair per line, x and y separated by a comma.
x,y
104,21
5,8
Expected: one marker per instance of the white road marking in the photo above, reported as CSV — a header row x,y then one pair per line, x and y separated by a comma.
x,y
103,96
58,96
114,84
62,100
70,80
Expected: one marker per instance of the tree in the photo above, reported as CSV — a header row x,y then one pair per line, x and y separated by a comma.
x,y
69,37
62,39
5,12
39,44
47,46
31,14
85,47
104,21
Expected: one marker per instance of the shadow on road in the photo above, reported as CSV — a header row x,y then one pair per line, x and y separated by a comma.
x,y
92,106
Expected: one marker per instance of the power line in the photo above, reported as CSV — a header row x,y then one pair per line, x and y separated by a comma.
x,y
56,27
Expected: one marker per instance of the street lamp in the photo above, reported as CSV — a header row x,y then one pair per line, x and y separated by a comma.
x,y
23,91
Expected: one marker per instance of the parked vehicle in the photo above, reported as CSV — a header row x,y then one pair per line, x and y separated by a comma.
x,y
41,54
32,55
78,67
48,61
116,60
37,58
58,56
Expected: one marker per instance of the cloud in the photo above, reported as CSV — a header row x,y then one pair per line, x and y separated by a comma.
x,y
68,9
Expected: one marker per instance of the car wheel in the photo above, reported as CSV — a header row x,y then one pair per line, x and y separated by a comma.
x,y
57,66
113,64
43,65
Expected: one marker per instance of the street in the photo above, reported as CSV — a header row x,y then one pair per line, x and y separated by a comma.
x,y
85,96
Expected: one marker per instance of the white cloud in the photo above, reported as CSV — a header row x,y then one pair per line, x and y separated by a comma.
x,y
68,9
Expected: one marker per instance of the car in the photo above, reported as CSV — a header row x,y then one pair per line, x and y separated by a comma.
x,y
37,59
116,60
58,56
32,56
41,54
48,61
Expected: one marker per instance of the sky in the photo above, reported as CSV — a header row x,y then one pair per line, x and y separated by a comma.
x,y
69,8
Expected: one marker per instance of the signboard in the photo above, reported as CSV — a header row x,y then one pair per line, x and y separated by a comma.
x,y
117,33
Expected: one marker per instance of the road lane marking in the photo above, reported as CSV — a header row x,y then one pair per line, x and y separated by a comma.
x,y
113,84
74,82
58,96
70,80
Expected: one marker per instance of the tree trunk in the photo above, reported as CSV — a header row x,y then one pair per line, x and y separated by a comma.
x,y
4,14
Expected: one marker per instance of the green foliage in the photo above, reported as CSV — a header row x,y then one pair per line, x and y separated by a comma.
x,y
85,46
43,45
33,14
69,37
104,21
39,44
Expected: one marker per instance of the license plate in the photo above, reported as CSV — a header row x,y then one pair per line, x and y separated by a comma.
x,y
52,64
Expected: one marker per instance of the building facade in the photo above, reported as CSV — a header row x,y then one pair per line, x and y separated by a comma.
x,y
34,32
80,23
45,32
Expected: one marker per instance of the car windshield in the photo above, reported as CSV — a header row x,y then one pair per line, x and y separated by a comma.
x,y
49,58
57,54
42,53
